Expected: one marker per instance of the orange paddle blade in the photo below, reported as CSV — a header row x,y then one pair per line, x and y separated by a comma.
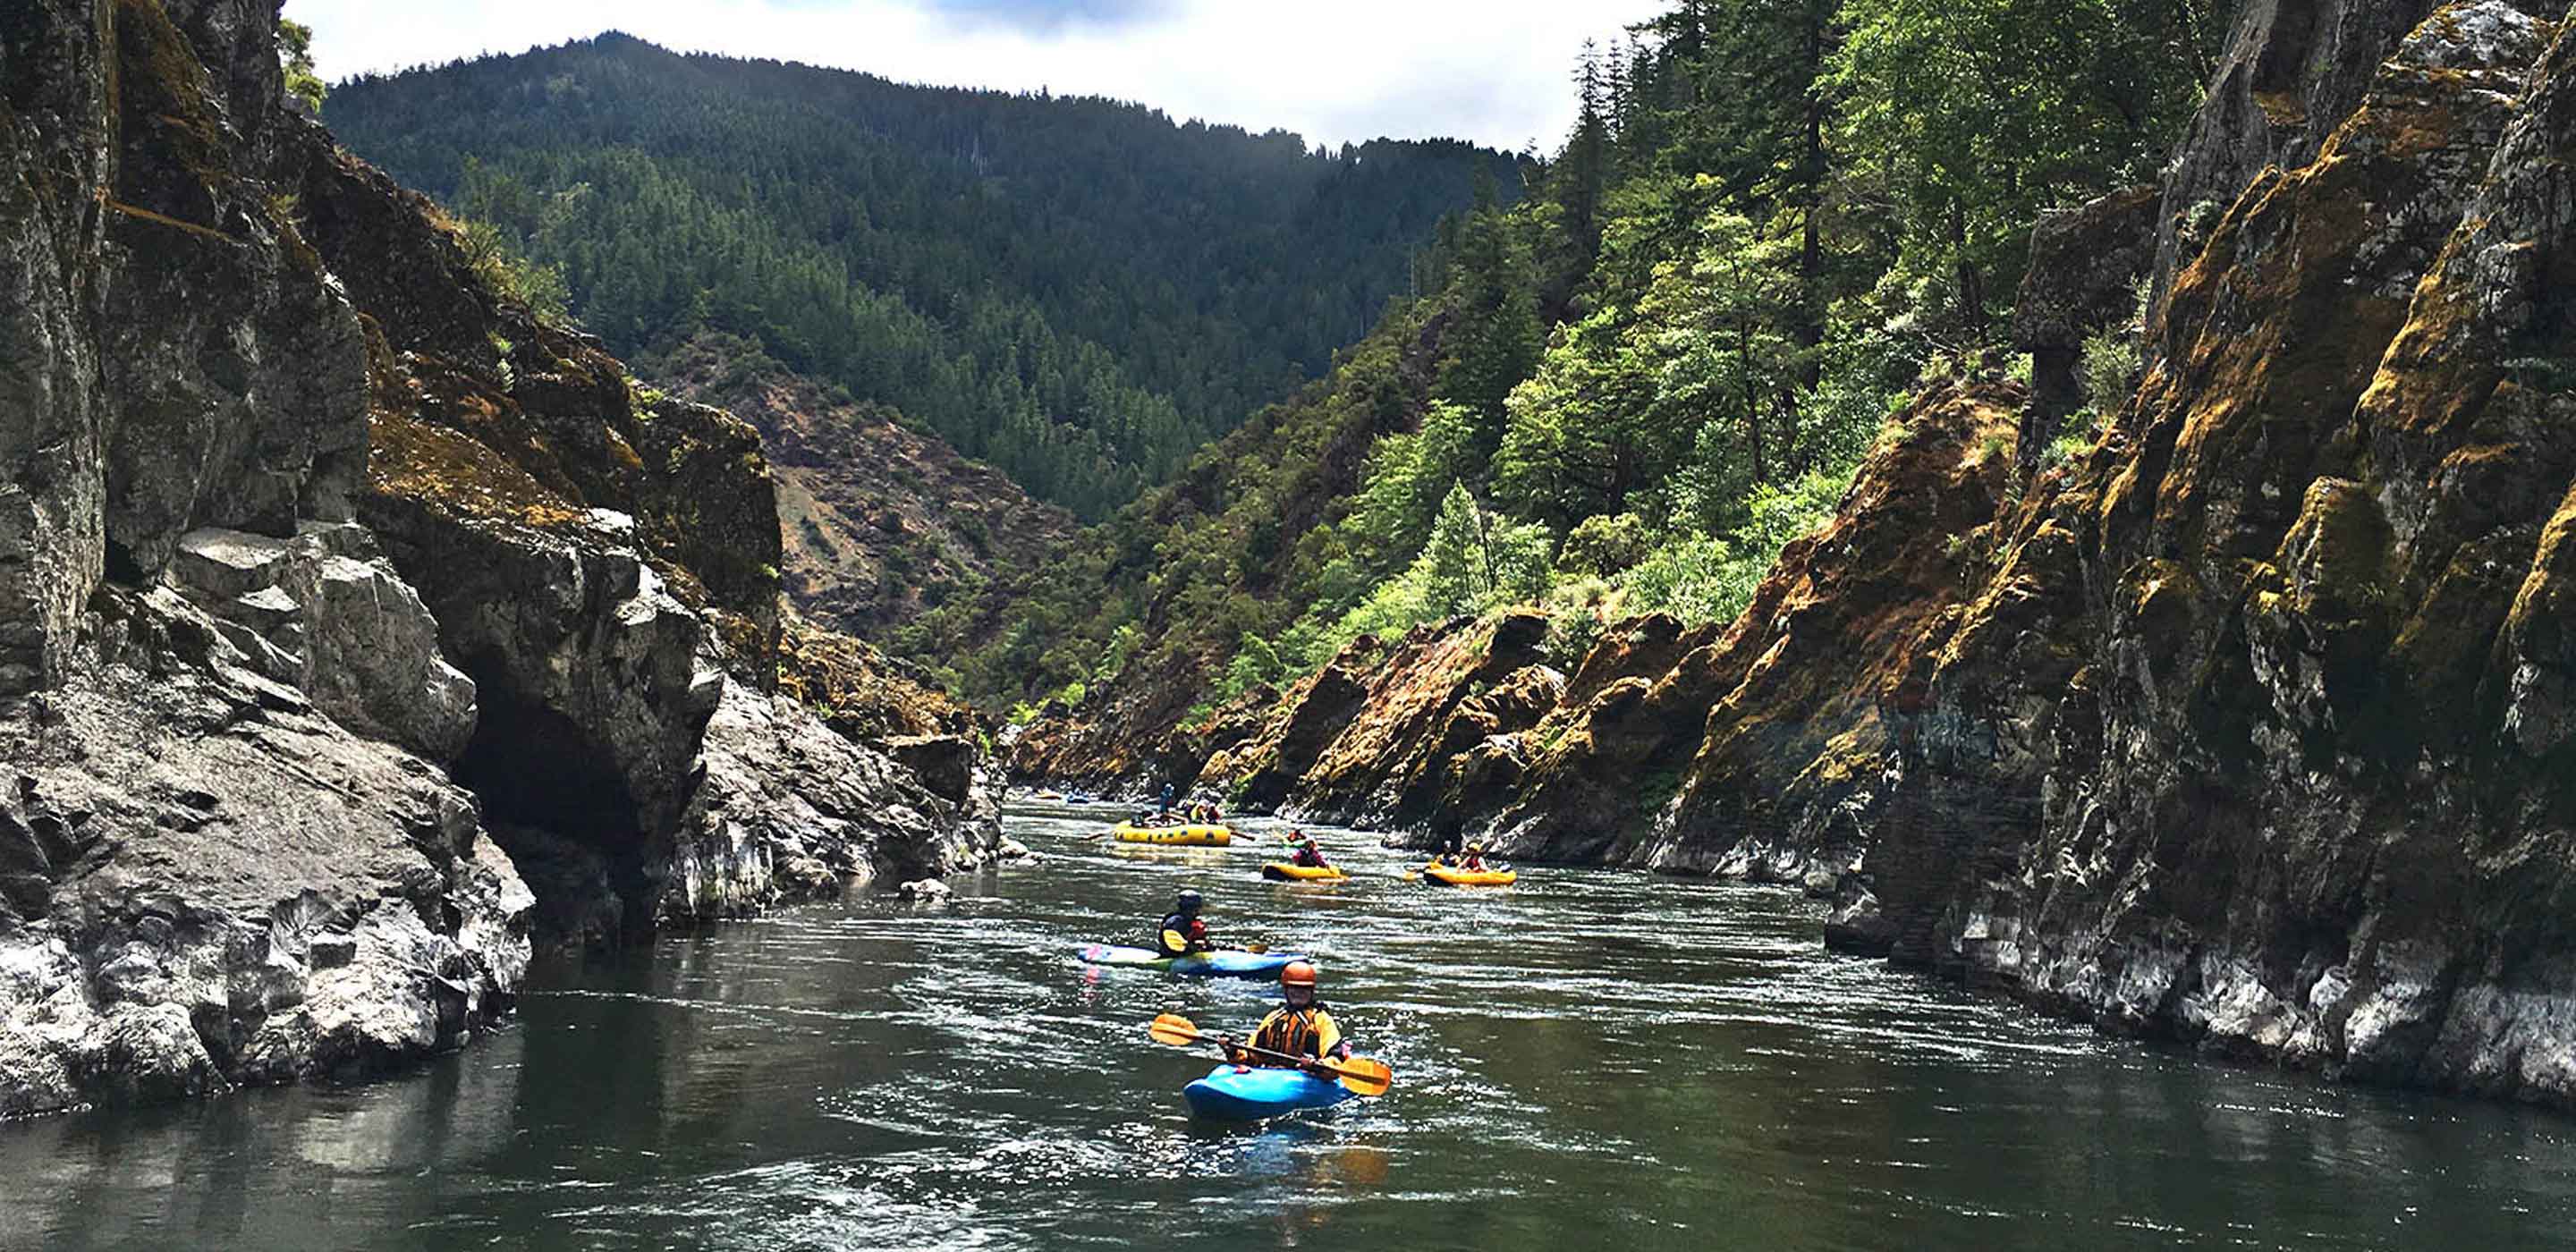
x,y
1364,1075
1174,1029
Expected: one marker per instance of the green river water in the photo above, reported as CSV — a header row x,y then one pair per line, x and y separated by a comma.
x,y
1592,1059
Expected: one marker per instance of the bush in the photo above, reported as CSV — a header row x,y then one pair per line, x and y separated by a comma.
x,y
1604,544
1696,579
2109,371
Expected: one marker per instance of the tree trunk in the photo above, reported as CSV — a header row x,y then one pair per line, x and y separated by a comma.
x,y
1972,287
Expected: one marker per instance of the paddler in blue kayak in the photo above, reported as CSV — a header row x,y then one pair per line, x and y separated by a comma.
x,y
1300,1027
1183,931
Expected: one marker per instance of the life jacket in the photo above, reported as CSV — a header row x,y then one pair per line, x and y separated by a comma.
x,y
1180,933
1306,1032
1309,854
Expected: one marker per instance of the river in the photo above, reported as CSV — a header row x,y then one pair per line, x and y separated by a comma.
x,y
1594,1058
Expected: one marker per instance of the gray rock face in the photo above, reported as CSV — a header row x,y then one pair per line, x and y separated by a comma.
x,y
789,809
594,696
205,882
52,484
230,847
322,613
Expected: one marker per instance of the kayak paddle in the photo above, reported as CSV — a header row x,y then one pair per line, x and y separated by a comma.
x,y
1363,1075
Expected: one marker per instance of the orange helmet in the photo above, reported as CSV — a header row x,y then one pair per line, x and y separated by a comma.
x,y
1298,974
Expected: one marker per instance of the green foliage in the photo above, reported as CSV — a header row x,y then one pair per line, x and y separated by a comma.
x,y
1079,291
1975,114
295,56
2109,369
504,272
1476,560
1772,220
1122,648
1255,662
1604,544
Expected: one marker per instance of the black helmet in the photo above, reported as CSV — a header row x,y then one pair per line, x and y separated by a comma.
x,y
1190,901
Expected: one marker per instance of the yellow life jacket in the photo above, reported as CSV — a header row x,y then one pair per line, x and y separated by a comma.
x,y
1306,1032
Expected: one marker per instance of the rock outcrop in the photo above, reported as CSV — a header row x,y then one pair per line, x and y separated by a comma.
x,y
2252,740
2084,268
335,589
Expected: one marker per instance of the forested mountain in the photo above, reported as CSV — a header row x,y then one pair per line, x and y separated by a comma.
x,y
1770,225
1077,290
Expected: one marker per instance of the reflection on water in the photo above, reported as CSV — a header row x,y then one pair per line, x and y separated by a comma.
x,y
1591,1058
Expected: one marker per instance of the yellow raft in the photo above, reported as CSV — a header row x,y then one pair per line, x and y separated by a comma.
x,y
1286,872
1470,877
1174,836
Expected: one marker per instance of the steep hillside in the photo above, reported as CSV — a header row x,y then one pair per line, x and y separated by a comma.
x,y
2244,723
1077,291
356,623
1768,230
881,522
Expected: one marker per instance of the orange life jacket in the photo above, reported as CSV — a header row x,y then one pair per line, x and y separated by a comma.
x,y
1306,1032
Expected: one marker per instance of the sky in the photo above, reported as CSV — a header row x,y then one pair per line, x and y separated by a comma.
x,y
1494,71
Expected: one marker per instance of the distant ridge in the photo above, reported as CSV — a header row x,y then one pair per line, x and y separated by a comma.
x,y
1080,291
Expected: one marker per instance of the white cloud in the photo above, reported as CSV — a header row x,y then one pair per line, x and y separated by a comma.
x,y
1495,71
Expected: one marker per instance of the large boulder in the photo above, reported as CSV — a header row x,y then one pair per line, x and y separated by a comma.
x,y
2085,264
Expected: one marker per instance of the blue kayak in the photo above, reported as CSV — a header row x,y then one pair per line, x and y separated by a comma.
x,y
1223,964
1248,1095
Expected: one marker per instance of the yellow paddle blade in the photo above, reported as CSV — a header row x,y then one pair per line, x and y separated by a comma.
x,y
1364,1075
1256,949
1174,1029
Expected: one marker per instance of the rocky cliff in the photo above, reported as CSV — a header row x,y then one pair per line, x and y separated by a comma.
x,y
2257,737
2251,726
354,624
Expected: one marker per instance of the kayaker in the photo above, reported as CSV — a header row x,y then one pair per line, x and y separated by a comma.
x,y
1299,1027
1474,860
1308,852
1183,931
1167,797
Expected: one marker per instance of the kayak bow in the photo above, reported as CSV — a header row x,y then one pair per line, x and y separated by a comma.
x,y
1241,1094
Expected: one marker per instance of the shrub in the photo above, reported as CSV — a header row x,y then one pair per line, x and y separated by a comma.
x,y
1604,544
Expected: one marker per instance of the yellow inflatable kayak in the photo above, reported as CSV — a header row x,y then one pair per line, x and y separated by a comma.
x,y
1470,877
1174,836
1285,872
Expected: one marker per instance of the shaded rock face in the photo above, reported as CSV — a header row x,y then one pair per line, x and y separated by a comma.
x,y
221,860
2253,739
295,515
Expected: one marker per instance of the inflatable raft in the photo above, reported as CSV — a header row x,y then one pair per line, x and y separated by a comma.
x,y
1174,836
1283,871
1470,877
